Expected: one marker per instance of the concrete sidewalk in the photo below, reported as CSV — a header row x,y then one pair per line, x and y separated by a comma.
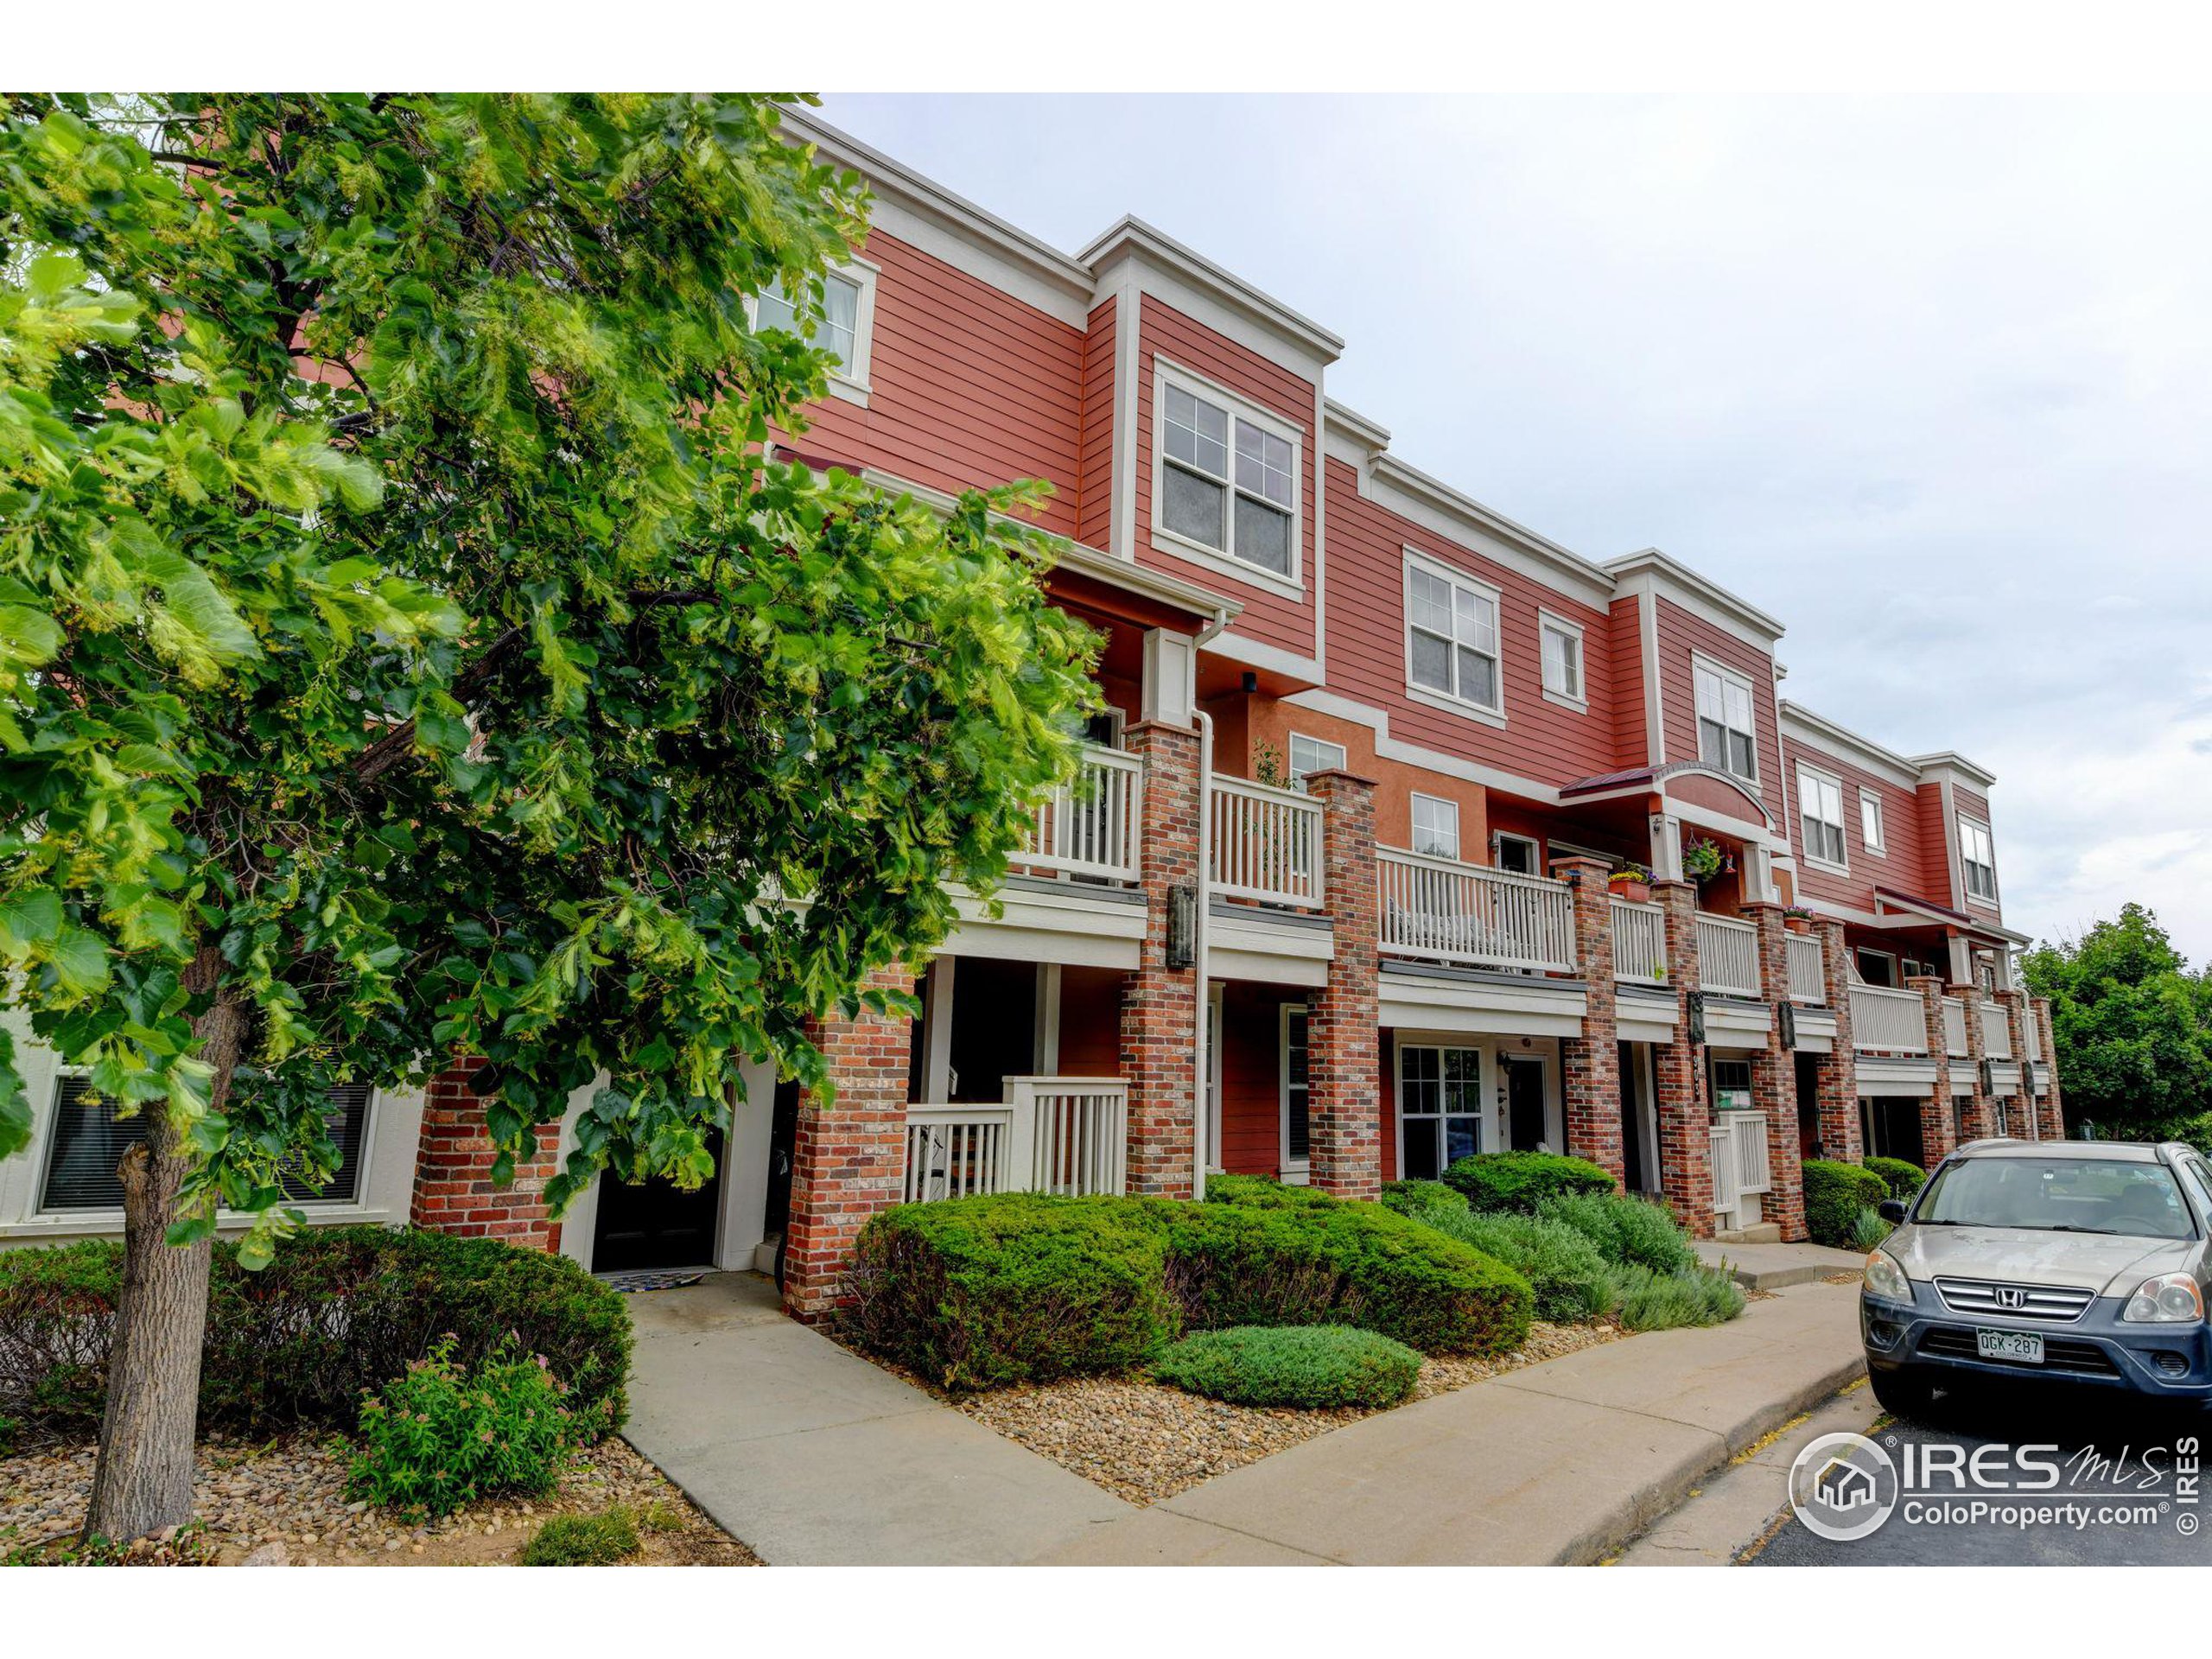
x,y
1777,1267
1557,1462
814,1457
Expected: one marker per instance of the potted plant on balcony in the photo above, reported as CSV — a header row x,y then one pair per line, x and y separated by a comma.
x,y
1797,919
1702,860
1632,883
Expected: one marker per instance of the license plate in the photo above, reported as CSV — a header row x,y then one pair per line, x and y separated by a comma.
x,y
2023,1346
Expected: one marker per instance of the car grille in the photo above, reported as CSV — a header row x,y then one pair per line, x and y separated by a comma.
x,y
2059,1353
2033,1302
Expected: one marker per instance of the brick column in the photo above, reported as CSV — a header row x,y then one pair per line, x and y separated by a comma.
x,y
454,1189
1842,1135
1937,1139
1593,1061
1684,1120
1343,1055
1159,1011
849,1158
1981,1111
1774,1081
2053,1109
2017,1017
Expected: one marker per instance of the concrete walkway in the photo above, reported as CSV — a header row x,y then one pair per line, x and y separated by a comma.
x,y
1558,1462
1777,1267
814,1457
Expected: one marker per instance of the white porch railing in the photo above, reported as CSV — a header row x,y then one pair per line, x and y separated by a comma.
x,y
1737,1144
1091,827
1050,1134
1449,912
2034,1028
1267,843
1955,1028
1996,1032
1893,1022
1639,943
1720,1155
1727,955
1807,968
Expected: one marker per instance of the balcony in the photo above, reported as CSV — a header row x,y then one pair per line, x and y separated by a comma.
x,y
1048,1134
1727,955
1996,1032
1807,968
1639,943
1267,844
1468,915
1955,1029
1893,1022
1090,829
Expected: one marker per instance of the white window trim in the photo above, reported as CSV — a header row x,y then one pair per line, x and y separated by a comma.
x,y
1897,967
1879,843
1466,707
1843,824
1485,1086
1713,664
1965,887
1295,1173
1580,701
1165,374
852,384
1450,804
1288,753
1499,837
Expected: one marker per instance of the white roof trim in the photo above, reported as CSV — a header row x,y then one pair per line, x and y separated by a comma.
x,y
1951,759
1388,472
1132,235
1674,571
1843,744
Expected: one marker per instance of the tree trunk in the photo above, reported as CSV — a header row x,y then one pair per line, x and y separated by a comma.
x,y
142,1481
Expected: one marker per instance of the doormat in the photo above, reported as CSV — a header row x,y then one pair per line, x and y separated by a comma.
x,y
651,1279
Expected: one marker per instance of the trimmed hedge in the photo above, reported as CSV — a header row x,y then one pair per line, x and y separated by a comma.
x,y
1522,1180
1903,1178
1566,1272
1834,1194
1626,1230
341,1311
1310,1367
978,1292
1263,1192
1413,1197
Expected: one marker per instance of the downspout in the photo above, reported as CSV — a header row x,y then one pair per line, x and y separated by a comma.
x,y
1202,929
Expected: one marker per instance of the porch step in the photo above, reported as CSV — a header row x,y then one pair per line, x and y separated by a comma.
x,y
1760,1232
764,1253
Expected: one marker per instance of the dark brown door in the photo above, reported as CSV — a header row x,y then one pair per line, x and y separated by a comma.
x,y
653,1224
1524,1102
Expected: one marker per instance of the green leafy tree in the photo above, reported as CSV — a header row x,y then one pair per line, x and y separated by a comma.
x,y
404,651
2133,1029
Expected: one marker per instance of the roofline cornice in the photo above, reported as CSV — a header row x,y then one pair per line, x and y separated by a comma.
x,y
1951,759
1820,729
1131,235
1672,570
1434,492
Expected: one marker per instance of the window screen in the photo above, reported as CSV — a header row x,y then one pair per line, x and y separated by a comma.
x,y
90,1139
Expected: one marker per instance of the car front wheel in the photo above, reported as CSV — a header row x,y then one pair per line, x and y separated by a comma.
x,y
1903,1393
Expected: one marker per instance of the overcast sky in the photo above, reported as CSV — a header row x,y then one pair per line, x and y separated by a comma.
x,y
1929,381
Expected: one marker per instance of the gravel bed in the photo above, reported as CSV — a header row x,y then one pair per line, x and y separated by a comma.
x,y
283,1502
1144,1441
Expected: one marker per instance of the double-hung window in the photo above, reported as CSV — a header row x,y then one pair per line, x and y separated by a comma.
x,y
1820,808
1561,644
1297,1127
1440,1108
1436,827
1724,720
1229,480
1870,820
1310,754
1978,861
1452,636
843,324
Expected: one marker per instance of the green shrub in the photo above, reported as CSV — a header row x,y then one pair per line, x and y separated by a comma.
x,y
1307,1366
1019,1287
10,1433
1903,1180
1625,1229
1662,1301
1262,1191
1868,1230
1412,1198
1522,1180
582,1540
1834,1194
340,1312
445,1435
1564,1270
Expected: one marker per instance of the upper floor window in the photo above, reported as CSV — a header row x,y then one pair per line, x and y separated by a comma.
x,y
1312,754
843,327
1978,861
1820,805
1724,720
1562,654
1228,479
1514,853
1436,827
1452,636
1870,820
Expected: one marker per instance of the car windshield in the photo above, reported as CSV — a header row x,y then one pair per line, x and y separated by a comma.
x,y
2079,1195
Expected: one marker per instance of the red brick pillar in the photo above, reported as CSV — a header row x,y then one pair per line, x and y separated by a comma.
x,y
849,1158
1842,1136
1937,1139
1774,1081
1158,1008
2053,1109
2021,1118
454,1189
1678,1068
1981,1111
1344,1067
1593,1061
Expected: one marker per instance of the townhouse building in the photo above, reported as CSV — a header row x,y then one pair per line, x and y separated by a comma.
x,y
1406,832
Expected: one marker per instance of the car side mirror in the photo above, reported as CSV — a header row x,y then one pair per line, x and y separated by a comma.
x,y
1891,1210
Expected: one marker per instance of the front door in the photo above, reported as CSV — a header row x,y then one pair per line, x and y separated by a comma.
x,y
652,1223
1524,1102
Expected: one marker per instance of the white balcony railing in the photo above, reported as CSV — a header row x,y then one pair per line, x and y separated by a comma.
x,y
1091,828
1050,1134
2034,1029
1955,1028
1894,1022
1639,943
1736,1143
1727,955
1448,911
1807,968
1267,843
1996,1032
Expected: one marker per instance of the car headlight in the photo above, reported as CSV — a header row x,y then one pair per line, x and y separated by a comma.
x,y
2170,1298
1886,1279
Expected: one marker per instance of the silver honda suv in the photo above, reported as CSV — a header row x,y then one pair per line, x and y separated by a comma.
x,y
2075,1262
